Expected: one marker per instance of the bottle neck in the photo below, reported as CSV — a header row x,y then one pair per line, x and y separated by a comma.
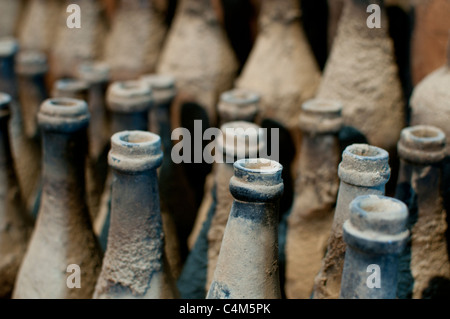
x,y
129,121
354,21
63,166
160,120
7,76
250,238
284,11
7,174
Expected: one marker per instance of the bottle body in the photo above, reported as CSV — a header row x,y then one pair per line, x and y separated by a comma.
x,y
135,265
248,262
364,170
63,234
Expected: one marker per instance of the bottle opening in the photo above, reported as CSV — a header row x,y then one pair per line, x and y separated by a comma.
x,y
259,165
425,132
136,137
60,102
364,150
379,205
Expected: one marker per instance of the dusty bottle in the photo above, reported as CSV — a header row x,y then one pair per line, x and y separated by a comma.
x,y
369,90
15,224
375,235
96,75
31,68
26,152
430,105
198,54
72,45
364,170
425,267
128,103
173,189
134,265
248,262
309,222
281,64
234,105
63,237
236,140
131,56
38,24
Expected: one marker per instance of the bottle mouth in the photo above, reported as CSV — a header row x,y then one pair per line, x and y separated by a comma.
x,y
129,96
261,166
424,144
8,46
240,97
364,165
135,151
94,72
378,213
5,99
31,62
69,85
326,106
63,114
321,116
159,81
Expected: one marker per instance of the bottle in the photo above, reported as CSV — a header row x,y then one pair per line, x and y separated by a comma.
x,y
364,170
15,224
234,105
311,216
236,140
282,67
134,42
247,267
38,24
128,103
375,236
70,87
31,68
370,90
134,265
63,239
425,268
281,64
197,52
10,12
96,75
428,38
174,191
430,105
72,45
26,152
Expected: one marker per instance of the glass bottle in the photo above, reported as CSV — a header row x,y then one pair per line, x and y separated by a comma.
x,y
364,170
134,265
63,240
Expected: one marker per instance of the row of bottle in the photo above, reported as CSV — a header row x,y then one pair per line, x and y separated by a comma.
x,y
367,229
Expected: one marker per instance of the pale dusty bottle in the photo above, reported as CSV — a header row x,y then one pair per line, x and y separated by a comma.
x,y
310,219
234,105
430,105
31,69
15,223
425,268
25,150
198,53
364,170
370,89
128,103
38,24
63,236
236,140
173,189
134,265
134,41
248,262
375,235
72,45
96,75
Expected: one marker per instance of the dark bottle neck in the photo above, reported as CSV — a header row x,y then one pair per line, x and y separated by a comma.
x,y
129,121
7,172
8,76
